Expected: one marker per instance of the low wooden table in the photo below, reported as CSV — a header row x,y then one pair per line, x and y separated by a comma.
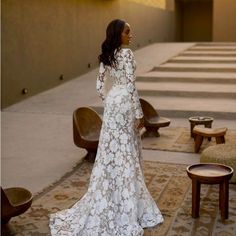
x,y
209,173
200,120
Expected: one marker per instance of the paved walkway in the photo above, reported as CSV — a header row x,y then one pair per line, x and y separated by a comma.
x,y
37,141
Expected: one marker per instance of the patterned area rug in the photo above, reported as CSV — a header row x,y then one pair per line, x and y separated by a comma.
x,y
169,186
178,139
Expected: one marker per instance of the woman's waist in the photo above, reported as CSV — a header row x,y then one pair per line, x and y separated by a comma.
x,y
116,85
118,89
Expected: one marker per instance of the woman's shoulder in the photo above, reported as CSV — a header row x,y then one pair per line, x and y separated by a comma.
x,y
127,52
125,49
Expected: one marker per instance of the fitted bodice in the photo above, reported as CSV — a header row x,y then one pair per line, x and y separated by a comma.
x,y
123,75
118,74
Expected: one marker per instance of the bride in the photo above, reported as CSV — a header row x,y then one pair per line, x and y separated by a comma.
x,y
117,202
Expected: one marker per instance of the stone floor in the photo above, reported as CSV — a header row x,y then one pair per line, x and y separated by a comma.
x,y
37,141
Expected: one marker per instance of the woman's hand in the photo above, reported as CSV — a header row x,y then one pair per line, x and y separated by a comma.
x,y
139,123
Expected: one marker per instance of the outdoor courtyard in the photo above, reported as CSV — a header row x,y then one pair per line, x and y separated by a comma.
x,y
39,153
185,52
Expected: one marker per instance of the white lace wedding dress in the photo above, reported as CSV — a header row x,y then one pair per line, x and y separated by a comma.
x,y
117,202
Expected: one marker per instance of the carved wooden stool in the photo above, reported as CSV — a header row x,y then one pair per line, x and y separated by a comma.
x,y
86,130
152,120
201,132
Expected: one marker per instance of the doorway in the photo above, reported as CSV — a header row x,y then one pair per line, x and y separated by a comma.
x,y
194,20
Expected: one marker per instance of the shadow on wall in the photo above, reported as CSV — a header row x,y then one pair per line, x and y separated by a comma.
x,y
46,43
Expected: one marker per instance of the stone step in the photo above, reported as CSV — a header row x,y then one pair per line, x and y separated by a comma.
x,y
183,89
186,90
204,53
181,106
213,48
189,94
185,107
207,67
216,44
195,59
196,77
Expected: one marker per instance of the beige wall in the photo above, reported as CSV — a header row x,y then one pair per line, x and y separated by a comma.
x,y
197,23
194,20
224,20
42,39
170,5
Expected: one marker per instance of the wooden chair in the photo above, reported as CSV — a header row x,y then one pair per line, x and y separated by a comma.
x,y
14,201
86,130
152,120
201,132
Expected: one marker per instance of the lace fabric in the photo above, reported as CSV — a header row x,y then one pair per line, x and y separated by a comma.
x,y
117,202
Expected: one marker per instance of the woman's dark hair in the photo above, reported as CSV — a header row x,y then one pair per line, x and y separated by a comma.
x,y
112,42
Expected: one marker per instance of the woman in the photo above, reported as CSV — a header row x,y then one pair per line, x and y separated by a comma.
x,y
117,202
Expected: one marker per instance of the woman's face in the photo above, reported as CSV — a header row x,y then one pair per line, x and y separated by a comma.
x,y
126,35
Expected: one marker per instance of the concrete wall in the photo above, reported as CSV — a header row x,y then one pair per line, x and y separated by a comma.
x,y
197,23
170,5
193,20
42,40
224,20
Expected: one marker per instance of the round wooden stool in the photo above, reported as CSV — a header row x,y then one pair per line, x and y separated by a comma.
x,y
209,173
199,120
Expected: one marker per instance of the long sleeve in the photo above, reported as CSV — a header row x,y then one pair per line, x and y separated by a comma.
x,y
129,65
100,86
